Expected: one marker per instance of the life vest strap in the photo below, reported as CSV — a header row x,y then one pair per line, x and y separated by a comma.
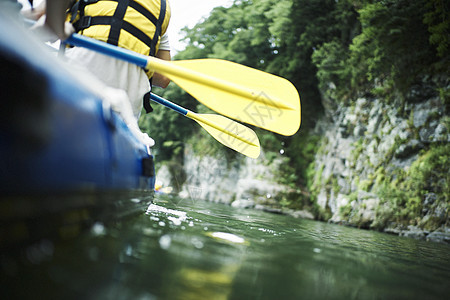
x,y
117,23
162,15
87,21
146,100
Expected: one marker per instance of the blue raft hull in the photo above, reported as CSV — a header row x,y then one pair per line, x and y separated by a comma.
x,y
67,160
55,135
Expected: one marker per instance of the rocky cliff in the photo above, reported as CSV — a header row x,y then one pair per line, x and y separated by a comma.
x,y
378,167
244,182
386,168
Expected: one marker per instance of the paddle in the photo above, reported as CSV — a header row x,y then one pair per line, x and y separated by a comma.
x,y
237,91
228,132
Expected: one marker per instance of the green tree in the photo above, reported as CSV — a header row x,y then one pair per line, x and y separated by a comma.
x,y
330,50
437,18
394,48
277,36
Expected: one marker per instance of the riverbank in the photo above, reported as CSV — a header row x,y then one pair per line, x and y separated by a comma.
x,y
384,166
375,167
441,235
378,163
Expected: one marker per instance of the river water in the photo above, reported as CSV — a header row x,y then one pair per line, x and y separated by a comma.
x,y
185,249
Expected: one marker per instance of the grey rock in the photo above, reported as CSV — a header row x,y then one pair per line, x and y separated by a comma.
x,y
408,149
421,114
441,134
300,214
430,198
426,134
243,203
269,209
359,130
413,232
439,236
374,123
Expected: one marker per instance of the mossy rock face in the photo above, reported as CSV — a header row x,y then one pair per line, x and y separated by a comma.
x,y
391,160
346,211
322,214
364,213
432,223
383,216
419,196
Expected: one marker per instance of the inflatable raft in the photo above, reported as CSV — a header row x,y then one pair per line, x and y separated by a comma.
x,y
66,157
55,135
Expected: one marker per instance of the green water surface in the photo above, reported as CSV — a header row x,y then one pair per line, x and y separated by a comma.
x,y
185,249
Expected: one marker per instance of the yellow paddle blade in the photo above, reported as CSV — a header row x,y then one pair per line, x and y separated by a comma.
x,y
239,92
230,133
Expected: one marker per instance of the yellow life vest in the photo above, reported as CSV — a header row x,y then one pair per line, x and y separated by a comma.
x,y
135,25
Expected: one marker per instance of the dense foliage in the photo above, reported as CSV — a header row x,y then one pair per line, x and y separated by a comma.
x,y
331,50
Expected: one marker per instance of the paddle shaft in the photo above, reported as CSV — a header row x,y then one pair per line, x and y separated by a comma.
x,y
169,104
196,117
107,49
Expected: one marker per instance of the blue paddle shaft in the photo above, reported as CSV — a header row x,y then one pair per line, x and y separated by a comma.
x,y
169,104
107,49
123,54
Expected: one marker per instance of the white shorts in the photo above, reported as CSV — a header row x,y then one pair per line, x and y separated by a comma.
x,y
115,73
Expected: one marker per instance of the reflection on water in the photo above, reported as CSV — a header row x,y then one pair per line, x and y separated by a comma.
x,y
197,250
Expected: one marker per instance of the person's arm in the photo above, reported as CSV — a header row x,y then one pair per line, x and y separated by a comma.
x,y
163,53
34,13
159,79
56,17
